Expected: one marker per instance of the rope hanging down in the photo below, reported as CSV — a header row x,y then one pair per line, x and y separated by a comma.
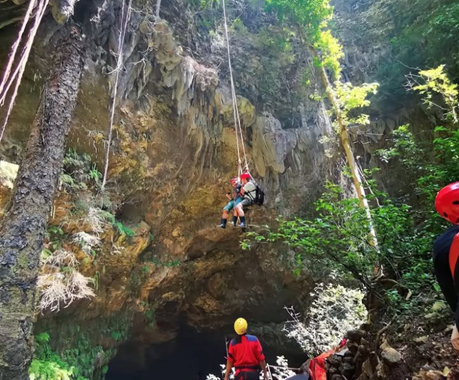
x,y
13,77
237,119
125,16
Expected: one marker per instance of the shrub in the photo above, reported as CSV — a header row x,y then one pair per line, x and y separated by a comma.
x,y
59,283
334,312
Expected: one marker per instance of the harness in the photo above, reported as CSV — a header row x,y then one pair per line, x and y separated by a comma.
x,y
246,372
454,255
250,195
249,367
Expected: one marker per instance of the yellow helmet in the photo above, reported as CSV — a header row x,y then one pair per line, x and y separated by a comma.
x,y
240,326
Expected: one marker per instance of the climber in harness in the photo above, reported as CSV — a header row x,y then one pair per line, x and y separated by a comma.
x,y
248,193
446,252
234,200
245,354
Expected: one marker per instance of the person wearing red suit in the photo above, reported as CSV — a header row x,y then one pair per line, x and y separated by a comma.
x,y
446,252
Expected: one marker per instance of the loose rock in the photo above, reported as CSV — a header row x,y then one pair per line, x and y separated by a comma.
x,y
356,335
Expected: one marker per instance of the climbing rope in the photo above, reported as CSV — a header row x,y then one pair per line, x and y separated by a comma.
x,y
9,78
119,66
237,119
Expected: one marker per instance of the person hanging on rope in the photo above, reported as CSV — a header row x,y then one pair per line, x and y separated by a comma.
x,y
245,354
248,194
235,199
446,252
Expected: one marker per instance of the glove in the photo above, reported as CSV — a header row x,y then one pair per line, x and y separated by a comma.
x,y
455,338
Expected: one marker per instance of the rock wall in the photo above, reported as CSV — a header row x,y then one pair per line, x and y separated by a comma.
x,y
160,257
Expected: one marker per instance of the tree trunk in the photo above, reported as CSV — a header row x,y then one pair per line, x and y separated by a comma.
x,y
360,190
24,226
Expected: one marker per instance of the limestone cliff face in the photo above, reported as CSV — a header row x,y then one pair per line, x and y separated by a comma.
x,y
173,154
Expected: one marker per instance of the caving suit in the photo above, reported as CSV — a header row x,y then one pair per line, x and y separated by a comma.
x,y
445,257
246,356
446,265
317,367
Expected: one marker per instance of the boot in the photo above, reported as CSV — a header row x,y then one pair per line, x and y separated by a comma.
x,y
242,219
234,222
223,223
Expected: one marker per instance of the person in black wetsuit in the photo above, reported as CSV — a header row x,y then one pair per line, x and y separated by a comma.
x,y
303,374
446,252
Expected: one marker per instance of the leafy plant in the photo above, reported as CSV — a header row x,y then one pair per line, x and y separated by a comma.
x,y
79,171
338,239
334,311
123,230
48,365
116,335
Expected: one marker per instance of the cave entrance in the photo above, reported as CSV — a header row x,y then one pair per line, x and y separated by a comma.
x,y
192,355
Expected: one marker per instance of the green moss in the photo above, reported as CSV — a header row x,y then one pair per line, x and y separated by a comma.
x,y
74,353
22,261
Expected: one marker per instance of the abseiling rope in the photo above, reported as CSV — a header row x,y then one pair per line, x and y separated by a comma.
x,y
15,78
119,66
237,120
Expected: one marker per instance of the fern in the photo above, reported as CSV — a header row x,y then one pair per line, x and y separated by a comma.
x,y
123,230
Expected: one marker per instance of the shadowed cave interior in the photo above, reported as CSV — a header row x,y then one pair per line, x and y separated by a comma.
x,y
192,355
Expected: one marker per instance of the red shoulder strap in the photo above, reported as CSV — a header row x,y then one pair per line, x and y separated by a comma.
x,y
454,255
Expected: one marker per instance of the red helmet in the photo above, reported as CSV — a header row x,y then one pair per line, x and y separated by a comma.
x,y
245,176
447,202
234,181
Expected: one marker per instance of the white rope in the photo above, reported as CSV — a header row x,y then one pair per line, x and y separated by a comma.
x,y
119,66
16,77
14,48
240,130
237,120
269,372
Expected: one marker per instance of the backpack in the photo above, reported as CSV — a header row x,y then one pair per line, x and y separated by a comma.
x,y
259,196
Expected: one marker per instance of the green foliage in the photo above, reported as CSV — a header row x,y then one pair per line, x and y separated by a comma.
x,y
332,51
123,230
55,236
238,26
274,67
167,264
338,238
95,175
67,181
435,164
80,173
48,365
352,98
116,335
79,355
436,81
205,4
108,216
311,15
403,147
425,35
